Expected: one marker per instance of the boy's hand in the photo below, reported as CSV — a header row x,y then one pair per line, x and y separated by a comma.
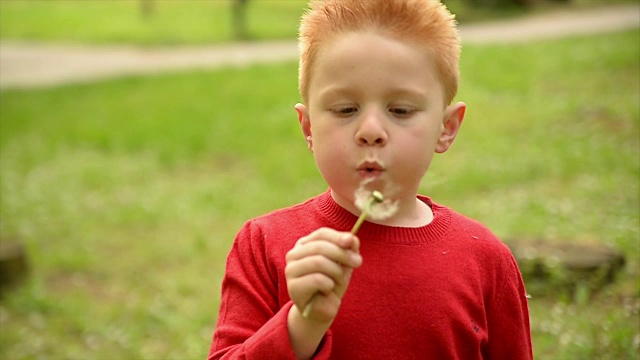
x,y
321,263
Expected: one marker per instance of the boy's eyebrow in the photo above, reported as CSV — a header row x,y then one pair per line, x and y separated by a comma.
x,y
336,91
403,91
411,92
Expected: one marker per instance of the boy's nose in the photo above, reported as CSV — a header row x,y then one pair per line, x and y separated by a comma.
x,y
371,130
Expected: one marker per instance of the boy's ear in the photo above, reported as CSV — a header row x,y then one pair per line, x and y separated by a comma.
x,y
453,116
305,124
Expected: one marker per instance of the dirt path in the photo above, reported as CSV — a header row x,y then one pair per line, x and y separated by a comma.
x,y
29,65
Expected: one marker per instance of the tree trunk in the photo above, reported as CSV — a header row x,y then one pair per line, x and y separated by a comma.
x,y
13,263
239,19
146,8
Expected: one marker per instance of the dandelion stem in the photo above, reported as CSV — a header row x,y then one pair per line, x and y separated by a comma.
x,y
376,197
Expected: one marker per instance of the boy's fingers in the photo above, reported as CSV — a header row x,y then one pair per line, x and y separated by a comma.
x,y
319,267
344,240
330,251
325,303
314,264
355,246
305,287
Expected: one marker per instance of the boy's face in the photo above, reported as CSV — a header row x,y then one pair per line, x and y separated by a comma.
x,y
376,112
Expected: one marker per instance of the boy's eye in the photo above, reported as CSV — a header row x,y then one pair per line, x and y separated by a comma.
x,y
401,111
348,110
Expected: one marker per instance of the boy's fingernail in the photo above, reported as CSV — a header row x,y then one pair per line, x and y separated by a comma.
x,y
356,243
356,259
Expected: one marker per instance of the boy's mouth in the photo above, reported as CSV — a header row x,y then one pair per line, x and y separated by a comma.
x,y
370,169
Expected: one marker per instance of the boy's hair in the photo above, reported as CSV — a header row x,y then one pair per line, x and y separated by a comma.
x,y
425,23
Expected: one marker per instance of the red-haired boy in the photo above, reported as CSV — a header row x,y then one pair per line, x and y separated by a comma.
x,y
377,79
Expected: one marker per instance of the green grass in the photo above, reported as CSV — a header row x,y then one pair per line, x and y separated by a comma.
x,y
122,21
465,13
175,22
128,192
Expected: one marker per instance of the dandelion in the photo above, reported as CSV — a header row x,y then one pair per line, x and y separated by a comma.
x,y
371,204
366,208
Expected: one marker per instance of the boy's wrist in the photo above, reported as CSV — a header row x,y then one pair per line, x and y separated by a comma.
x,y
305,334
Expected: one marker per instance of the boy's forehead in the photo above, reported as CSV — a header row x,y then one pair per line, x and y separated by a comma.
x,y
357,50
361,62
383,44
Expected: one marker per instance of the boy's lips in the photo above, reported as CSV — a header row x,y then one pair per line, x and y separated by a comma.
x,y
370,169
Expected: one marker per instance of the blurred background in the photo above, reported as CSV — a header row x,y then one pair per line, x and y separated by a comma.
x,y
137,136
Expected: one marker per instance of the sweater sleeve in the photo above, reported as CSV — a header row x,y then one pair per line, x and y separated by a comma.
x,y
251,323
508,315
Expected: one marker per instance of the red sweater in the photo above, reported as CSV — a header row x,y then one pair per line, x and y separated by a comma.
x,y
448,290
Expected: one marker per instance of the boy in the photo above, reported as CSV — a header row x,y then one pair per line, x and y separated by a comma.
x,y
377,78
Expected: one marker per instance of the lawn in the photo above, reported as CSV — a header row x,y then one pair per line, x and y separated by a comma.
x,y
176,22
128,193
122,21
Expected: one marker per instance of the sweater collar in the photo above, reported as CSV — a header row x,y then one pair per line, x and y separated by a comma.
x,y
341,219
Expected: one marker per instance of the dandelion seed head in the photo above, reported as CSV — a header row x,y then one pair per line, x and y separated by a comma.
x,y
376,210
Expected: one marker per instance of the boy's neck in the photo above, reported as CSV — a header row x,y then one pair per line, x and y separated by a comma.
x,y
413,215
